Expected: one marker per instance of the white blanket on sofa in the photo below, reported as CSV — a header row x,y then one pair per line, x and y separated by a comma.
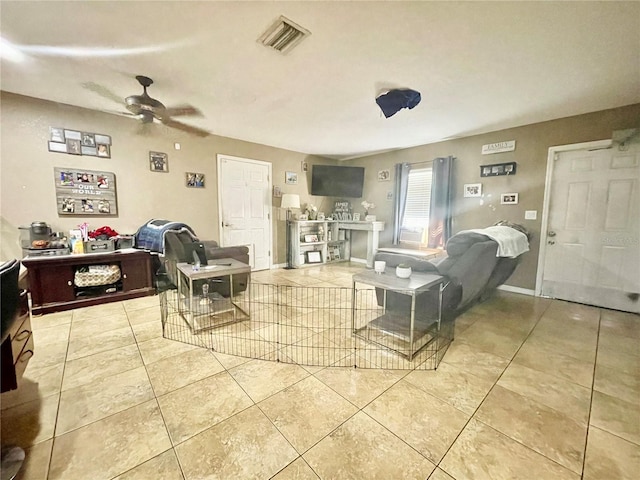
x,y
511,242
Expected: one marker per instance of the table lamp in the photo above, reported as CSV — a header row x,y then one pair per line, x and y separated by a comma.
x,y
289,201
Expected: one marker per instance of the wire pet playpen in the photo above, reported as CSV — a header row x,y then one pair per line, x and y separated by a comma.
x,y
314,326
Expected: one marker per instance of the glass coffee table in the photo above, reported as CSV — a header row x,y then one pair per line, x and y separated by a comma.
x,y
198,302
401,314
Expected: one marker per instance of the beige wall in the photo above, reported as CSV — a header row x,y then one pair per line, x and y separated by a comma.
x,y
532,147
27,185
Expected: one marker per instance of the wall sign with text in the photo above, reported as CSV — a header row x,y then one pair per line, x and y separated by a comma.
x,y
85,192
499,147
342,210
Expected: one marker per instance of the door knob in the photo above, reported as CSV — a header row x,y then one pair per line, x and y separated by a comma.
x,y
225,224
551,234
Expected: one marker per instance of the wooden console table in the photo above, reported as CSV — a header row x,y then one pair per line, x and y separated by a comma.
x,y
52,286
372,229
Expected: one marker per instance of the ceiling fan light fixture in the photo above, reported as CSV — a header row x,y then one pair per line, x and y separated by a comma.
x,y
146,117
283,35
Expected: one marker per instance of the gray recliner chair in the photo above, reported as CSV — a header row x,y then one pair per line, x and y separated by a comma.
x,y
175,252
471,267
167,239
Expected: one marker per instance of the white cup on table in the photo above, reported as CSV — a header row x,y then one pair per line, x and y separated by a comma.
x,y
379,266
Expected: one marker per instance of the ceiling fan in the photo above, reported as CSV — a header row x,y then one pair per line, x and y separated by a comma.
x,y
147,109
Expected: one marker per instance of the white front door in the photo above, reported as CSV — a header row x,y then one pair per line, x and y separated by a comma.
x,y
592,242
244,191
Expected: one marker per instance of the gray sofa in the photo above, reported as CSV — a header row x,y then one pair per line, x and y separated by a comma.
x,y
471,266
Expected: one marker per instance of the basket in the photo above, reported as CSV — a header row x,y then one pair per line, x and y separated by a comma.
x,y
95,275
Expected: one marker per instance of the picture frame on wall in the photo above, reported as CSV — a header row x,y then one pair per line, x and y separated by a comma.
x,y
158,162
74,147
195,180
509,198
57,134
472,189
291,178
72,134
104,150
85,192
88,139
57,147
277,192
384,175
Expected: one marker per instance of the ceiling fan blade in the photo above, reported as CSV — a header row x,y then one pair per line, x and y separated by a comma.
x,y
121,113
182,110
103,91
184,127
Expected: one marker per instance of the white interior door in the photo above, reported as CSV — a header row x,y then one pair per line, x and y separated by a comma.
x,y
244,191
592,251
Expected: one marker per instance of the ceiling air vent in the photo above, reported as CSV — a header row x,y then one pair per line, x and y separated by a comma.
x,y
283,35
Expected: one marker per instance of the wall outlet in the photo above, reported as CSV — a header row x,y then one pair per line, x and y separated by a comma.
x,y
530,214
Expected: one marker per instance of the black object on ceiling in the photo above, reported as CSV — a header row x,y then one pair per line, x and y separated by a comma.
x,y
394,100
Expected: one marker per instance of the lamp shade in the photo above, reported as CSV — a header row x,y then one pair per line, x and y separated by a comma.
x,y
290,200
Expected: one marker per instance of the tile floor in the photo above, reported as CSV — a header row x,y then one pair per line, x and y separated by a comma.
x,y
530,389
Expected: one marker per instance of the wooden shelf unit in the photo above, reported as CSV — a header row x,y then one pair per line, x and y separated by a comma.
x,y
51,279
332,243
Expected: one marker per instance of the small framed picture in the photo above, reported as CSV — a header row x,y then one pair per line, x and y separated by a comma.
x,y
509,198
314,257
103,139
104,150
73,134
93,151
310,238
321,216
472,189
277,192
66,179
68,205
57,134
158,162
88,139
195,180
356,217
57,147
384,175
305,166
291,178
74,147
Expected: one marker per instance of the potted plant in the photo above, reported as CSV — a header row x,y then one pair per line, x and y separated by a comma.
x,y
403,270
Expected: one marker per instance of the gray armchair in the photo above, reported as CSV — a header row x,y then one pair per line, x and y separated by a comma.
x,y
175,252
168,239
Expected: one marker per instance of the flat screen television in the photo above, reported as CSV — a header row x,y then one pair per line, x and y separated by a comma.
x,y
336,181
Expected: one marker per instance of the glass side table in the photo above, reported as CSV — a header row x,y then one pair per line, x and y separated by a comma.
x,y
410,316
200,305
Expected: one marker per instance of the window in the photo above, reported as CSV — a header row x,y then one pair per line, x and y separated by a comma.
x,y
415,223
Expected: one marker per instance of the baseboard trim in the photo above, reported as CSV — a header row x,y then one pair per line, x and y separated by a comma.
x,y
358,260
523,291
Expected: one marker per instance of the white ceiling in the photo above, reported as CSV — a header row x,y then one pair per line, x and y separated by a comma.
x,y
480,66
